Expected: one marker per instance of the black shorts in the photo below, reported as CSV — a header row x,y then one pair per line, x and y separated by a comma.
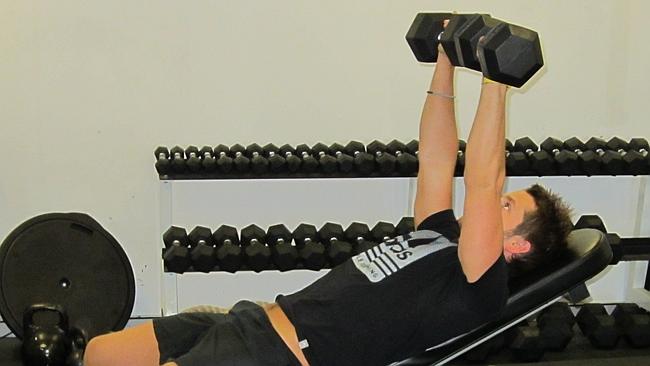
x,y
243,337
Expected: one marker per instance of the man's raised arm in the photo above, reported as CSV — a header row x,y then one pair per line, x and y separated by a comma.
x,y
481,240
438,146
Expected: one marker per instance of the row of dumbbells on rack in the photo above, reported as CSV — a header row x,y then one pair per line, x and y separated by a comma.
x,y
396,159
553,329
278,248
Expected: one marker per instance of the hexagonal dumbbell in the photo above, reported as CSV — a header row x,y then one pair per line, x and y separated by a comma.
x,y
178,159
208,162
382,231
338,250
162,160
589,161
326,162
192,161
310,250
203,249
384,160
345,162
555,324
540,161
283,254
259,164
406,164
413,148
635,162
634,322
509,54
405,226
611,162
516,162
359,235
425,34
177,250
364,163
229,251
566,161
640,146
309,162
256,253
277,163
240,161
466,39
599,327
224,161
293,161
526,343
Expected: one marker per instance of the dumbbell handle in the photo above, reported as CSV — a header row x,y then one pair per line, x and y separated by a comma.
x,y
222,154
162,156
207,155
191,155
178,155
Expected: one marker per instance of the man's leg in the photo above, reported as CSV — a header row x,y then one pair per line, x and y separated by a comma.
x,y
135,346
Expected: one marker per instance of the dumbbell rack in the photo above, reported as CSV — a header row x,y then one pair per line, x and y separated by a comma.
x,y
625,208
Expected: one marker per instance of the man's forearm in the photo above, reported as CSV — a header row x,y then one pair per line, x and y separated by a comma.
x,y
438,135
484,158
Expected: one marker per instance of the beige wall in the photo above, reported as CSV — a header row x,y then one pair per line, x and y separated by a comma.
x,y
89,88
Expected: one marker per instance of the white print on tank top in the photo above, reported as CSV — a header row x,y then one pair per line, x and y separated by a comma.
x,y
385,259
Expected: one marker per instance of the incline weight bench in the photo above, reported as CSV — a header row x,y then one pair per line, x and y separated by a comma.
x,y
587,255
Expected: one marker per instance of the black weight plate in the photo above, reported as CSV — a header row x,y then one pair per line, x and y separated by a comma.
x,y
70,260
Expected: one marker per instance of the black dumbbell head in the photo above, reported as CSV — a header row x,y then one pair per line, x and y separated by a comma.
x,y
333,237
252,232
634,322
405,226
405,163
311,251
277,162
229,253
208,161
175,236
590,222
466,39
345,162
639,144
326,161
447,38
617,144
225,233
289,154
413,147
567,161
363,162
161,152
203,258
330,231
524,144
278,233
382,231
510,54
589,160
423,34
304,232
200,234
526,343
357,231
240,161
162,160
599,327
309,163
612,162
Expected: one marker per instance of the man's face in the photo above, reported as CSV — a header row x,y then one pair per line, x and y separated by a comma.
x,y
514,206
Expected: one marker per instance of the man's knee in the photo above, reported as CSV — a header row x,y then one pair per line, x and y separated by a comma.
x,y
98,352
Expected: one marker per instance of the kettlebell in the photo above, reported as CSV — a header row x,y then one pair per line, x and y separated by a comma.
x,y
45,344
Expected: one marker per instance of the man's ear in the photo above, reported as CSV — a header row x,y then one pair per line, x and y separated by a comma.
x,y
517,244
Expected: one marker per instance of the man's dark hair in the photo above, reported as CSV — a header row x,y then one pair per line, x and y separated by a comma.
x,y
546,228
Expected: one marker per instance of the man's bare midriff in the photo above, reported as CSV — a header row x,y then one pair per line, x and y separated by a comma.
x,y
285,330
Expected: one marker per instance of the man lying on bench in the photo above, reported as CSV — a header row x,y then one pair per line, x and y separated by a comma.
x,y
396,299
